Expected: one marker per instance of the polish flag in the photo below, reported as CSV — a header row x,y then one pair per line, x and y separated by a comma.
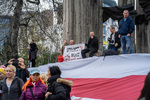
x,y
118,77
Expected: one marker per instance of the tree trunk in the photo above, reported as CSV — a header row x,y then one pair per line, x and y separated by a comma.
x,y
141,36
123,3
80,17
16,22
148,37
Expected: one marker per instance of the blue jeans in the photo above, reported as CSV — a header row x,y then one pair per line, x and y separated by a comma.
x,y
126,40
113,47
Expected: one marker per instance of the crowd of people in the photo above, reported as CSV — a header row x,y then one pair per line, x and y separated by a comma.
x,y
42,86
39,86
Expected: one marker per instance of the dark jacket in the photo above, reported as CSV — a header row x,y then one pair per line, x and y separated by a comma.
x,y
60,88
92,43
127,26
22,73
117,39
33,51
15,89
38,91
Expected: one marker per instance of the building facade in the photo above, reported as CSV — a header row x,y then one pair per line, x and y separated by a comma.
x,y
5,22
5,28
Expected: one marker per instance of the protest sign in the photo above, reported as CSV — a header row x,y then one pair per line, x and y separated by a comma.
x,y
73,52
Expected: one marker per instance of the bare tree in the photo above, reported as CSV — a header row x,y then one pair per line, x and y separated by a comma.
x,y
30,20
15,27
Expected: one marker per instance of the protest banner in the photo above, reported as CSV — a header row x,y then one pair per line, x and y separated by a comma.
x,y
73,52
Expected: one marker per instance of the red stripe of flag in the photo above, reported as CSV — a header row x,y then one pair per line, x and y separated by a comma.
x,y
127,88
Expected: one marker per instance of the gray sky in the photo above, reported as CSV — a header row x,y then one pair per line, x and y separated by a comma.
x,y
116,1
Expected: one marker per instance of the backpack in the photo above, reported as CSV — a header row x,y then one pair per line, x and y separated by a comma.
x,y
109,52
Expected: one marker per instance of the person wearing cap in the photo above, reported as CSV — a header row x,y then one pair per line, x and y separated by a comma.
x,y
2,74
11,86
58,88
34,88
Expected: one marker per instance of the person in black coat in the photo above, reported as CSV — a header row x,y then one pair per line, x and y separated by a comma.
x,y
92,46
146,89
32,53
58,88
114,40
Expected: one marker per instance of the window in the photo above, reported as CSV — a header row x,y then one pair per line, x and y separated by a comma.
x,y
104,38
104,29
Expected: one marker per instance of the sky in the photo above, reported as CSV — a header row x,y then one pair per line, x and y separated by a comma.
x,y
116,1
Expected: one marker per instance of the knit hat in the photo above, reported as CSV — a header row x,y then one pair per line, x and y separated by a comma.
x,y
3,71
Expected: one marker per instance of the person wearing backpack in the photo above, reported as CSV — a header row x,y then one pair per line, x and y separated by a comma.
x,y
58,88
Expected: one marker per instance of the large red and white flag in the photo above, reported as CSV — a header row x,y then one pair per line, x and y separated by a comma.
x,y
110,78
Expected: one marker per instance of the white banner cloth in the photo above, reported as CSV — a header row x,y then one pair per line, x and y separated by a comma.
x,y
73,52
117,66
80,98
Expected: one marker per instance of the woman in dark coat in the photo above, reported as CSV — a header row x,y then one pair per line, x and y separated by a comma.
x,y
58,88
145,93
11,86
32,53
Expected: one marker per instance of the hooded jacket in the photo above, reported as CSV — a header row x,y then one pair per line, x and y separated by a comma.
x,y
59,87
127,26
38,90
15,89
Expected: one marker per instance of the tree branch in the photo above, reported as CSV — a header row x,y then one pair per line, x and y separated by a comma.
x,y
37,2
26,23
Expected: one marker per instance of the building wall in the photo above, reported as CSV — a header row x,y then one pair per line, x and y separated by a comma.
x,y
4,30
